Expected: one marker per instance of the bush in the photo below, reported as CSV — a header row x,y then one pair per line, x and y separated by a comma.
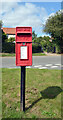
x,y
51,49
11,39
8,47
36,48
58,49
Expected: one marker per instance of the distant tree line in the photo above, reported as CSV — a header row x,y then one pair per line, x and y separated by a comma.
x,y
39,44
44,43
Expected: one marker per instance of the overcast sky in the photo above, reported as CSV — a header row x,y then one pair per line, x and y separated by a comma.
x,y
32,14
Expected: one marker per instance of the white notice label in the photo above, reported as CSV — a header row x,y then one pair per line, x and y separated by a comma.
x,y
23,52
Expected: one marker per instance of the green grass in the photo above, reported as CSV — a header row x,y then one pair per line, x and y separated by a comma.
x,y
38,54
42,93
13,54
7,54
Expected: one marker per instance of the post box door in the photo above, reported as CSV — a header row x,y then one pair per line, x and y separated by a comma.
x,y
23,59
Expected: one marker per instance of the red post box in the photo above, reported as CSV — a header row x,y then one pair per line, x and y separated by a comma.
x,y
23,46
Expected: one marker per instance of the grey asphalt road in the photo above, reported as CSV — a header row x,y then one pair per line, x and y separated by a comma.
x,y
41,62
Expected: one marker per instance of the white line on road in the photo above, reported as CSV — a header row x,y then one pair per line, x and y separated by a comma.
x,y
48,65
28,66
42,67
36,66
57,64
39,65
54,66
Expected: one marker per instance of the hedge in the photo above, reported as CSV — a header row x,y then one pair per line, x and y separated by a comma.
x,y
9,47
36,48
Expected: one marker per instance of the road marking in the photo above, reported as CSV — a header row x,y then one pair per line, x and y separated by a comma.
x,y
28,66
54,66
42,67
48,65
57,64
36,66
39,65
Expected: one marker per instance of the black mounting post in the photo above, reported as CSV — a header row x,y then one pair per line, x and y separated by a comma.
x,y
22,88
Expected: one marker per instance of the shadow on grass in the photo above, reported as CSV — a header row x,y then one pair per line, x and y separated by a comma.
x,y
48,93
51,92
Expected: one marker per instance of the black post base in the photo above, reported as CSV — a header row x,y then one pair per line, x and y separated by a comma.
x,y
22,106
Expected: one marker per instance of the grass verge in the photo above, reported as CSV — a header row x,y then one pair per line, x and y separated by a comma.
x,y
13,54
39,54
7,54
42,97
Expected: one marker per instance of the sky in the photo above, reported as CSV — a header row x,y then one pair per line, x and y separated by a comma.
x,y
33,14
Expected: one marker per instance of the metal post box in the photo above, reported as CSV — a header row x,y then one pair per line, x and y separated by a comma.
x,y
23,47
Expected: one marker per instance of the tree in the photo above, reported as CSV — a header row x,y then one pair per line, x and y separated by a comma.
x,y
11,39
54,26
46,44
4,37
34,36
0,36
0,24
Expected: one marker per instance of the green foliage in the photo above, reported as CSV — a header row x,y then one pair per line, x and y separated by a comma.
x,y
34,35
54,26
11,39
4,37
0,24
39,54
0,36
8,47
36,48
39,40
44,43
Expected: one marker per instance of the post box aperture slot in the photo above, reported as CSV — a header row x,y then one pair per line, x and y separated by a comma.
x,y
24,37
25,34
23,52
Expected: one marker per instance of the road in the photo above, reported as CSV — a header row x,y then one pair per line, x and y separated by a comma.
x,y
41,62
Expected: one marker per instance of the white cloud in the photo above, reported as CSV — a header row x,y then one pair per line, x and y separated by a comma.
x,y
28,14
52,14
31,1
11,0
45,35
7,6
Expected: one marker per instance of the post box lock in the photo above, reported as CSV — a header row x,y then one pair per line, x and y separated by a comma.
x,y
23,43
23,46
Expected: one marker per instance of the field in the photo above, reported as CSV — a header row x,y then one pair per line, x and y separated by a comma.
x,y
42,97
